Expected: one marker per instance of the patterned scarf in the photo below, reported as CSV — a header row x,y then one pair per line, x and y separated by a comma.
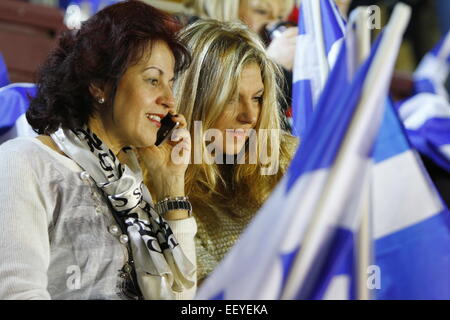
x,y
160,264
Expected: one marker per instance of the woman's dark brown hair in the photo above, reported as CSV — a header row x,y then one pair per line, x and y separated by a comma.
x,y
99,53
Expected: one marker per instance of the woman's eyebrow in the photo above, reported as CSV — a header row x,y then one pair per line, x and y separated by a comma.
x,y
254,94
155,68
161,72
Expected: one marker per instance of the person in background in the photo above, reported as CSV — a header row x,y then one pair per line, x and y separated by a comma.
x,y
77,220
231,90
257,14
268,19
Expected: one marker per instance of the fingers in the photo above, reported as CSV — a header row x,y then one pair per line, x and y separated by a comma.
x,y
181,144
179,135
178,118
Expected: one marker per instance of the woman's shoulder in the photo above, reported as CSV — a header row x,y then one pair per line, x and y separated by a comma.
x,y
31,152
20,149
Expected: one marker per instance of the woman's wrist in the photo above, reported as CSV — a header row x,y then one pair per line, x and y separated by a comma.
x,y
169,187
174,215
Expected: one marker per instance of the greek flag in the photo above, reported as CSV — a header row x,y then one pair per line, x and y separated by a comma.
x,y
321,32
301,243
411,225
14,102
4,79
433,70
80,10
426,115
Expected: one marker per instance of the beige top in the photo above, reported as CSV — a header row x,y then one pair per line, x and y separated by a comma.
x,y
217,231
219,228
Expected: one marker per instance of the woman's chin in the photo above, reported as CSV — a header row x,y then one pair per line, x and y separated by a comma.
x,y
145,142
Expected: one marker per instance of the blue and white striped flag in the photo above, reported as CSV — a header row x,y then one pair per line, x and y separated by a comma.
x,y
321,32
426,115
408,219
433,70
411,225
14,102
300,244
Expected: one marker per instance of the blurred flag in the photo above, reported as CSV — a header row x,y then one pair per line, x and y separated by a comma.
x,y
426,115
301,243
14,103
433,70
321,32
411,225
404,207
4,79
80,10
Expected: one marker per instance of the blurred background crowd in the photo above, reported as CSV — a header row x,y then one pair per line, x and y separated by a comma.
x,y
28,28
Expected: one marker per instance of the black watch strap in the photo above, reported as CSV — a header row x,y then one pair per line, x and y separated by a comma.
x,y
173,203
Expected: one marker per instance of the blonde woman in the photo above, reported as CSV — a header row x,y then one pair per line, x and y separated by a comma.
x,y
230,92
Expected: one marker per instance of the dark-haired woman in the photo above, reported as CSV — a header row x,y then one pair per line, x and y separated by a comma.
x,y
77,220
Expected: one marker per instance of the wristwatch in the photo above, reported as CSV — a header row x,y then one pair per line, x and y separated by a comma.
x,y
173,203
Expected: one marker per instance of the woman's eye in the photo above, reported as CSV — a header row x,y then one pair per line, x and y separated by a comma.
x,y
153,82
261,12
258,99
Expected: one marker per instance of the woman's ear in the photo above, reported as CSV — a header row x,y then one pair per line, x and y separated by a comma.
x,y
97,93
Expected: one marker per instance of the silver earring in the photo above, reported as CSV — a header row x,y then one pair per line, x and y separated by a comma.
x,y
101,100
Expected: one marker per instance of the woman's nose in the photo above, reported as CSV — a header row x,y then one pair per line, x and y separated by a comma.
x,y
248,114
166,99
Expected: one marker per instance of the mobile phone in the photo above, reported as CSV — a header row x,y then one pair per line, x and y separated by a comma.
x,y
167,127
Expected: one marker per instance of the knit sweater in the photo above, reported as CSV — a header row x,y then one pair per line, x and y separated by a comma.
x,y
218,231
57,236
219,227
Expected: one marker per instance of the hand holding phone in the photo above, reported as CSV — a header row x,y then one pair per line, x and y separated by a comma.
x,y
167,127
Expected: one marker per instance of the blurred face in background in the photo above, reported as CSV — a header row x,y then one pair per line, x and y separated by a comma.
x,y
257,13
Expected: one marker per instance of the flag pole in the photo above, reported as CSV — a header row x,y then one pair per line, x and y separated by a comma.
x,y
364,240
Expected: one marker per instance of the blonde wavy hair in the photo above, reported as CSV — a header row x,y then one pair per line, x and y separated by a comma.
x,y
226,10
220,52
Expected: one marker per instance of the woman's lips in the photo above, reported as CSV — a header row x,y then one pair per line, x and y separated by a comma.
x,y
155,118
156,123
239,133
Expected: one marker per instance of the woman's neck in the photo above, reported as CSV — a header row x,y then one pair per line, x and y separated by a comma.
x,y
96,125
227,172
